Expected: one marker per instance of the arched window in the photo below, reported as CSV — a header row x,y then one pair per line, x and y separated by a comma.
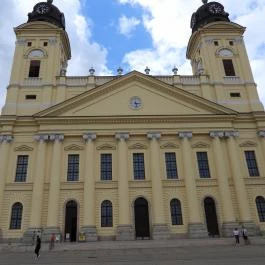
x,y
176,215
260,203
106,214
16,216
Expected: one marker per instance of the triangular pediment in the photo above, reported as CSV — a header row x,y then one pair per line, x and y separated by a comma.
x,y
200,145
248,144
137,146
169,145
73,147
115,98
23,148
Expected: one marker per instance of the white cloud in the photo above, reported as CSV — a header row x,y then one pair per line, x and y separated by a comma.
x,y
127,25
167,22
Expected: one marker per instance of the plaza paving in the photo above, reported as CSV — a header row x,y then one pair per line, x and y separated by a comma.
x,y
180,252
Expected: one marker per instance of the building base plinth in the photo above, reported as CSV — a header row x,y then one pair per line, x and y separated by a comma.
x,y
125,232
197,230
48,231
90,233
252,229
160,231
31,234
228,227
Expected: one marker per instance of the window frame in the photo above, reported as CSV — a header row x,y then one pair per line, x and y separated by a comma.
x,y
171,165
73,167
203,165
106,166
176,212
138,166
106,210
16,216
252,164
22,168
34,70
260,206
229,67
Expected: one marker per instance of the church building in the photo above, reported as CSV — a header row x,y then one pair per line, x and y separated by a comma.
x,y
131,156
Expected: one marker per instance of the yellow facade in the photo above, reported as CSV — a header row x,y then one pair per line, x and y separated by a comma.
x,y
51,117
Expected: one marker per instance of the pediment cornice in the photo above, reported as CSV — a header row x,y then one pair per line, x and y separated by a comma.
x,y
23,148
106,147
169,145
138,146
200,145
248,144
74,147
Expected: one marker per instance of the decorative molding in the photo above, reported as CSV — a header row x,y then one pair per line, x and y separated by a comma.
x,y
23,148
41,137
200,145
122,136
185,135
6,138
248,144
231,134
138,146
52,40
261,133
154,135
73,147
169,145
89,136
219,134
56,137
106,147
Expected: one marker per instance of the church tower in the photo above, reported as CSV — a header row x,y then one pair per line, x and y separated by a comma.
x,y
41,54
216,49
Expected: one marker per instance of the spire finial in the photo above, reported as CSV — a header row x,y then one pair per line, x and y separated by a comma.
x,y
49,1
205,1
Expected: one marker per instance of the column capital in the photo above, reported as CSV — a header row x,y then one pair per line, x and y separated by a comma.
x,y
217,134
122,136
41,137
261,133
154,135
231,134
89,136
56,137
6,138
187,135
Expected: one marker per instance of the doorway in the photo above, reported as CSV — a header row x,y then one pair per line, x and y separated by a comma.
x,y
70,221
211,217
141,215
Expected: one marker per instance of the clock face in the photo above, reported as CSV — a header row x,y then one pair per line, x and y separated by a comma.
x,y
135,103
216,8
42,8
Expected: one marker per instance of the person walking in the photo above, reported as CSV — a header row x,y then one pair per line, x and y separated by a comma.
x,y
52,241
38,246
245,235
236,235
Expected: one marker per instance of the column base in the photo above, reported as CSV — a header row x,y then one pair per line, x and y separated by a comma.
x,y
90,233
125,232
197,230
48,231
160,231
31,234
253,230
228,227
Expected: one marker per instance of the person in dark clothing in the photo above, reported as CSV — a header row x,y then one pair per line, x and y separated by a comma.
x,y
38,246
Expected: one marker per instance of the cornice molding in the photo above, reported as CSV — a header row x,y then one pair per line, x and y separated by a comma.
x,y
248,144
200,145
74,147
138,146
106,147
169,145
23,148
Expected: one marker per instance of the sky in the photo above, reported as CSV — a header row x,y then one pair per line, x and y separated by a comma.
x,y
132,34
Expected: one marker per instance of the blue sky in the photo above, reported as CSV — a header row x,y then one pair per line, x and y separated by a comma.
x,y
133,34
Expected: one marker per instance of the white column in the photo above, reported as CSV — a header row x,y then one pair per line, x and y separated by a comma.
x,y
54,187
240,188
89,225
124,229
5,141
160,228
37,194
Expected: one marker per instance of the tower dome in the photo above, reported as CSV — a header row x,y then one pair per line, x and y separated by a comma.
x,y
207,13
46,11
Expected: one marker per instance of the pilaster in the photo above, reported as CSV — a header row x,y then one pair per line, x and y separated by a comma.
x,y
89,225
196,228
124,229
160,228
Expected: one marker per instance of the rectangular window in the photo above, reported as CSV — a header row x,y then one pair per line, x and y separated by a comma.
x,y
229,67
235,95
73,168
34,69
30,97
138,166
22,168
106,166
203,165
171,166
252,163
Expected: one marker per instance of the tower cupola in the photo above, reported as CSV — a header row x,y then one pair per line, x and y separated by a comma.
x,y
207,13
46,11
